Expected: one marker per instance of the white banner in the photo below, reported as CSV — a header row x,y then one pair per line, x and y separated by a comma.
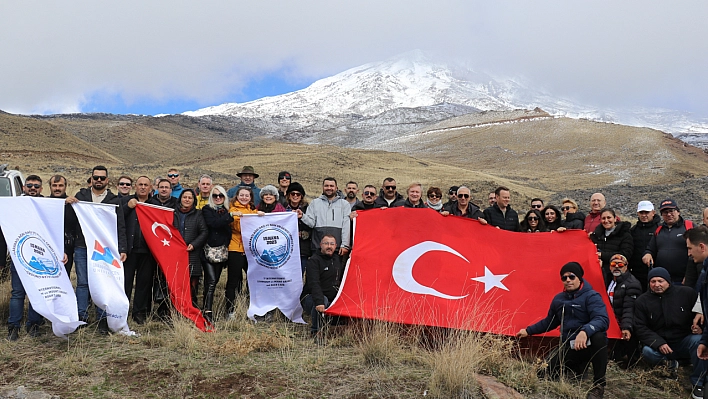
x,y
106,277
274,275
34,231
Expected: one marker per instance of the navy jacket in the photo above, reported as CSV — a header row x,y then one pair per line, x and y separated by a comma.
x,y
581,310
505,221
668,248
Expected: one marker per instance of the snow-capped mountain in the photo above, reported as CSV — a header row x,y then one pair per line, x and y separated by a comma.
x,y
415,81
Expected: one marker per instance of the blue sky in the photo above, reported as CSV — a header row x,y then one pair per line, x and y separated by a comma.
x,y
141,56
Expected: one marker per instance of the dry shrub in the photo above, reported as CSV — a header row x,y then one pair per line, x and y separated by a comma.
x,y
254,340
79,359
379,342
184,335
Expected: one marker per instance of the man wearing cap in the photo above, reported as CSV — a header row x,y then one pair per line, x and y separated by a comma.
x,y
667,248
284,179
623,290
248,176
663,320
452,194
583,319
642,232
389,197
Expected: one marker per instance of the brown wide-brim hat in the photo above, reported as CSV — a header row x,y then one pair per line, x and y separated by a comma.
x,y
248,170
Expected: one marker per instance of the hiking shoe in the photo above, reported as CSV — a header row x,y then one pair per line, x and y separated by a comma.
x,y
697,392
673,367
33,330
597,392
103,327
13,333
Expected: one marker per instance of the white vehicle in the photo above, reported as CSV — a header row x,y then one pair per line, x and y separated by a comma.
x,y
11,182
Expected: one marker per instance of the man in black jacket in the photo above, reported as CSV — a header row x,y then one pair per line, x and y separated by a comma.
x,y
164,195
463,206
57,185
667,248
642,232
500,215
623,290
663,320
697,244
324,275
389,196
98,193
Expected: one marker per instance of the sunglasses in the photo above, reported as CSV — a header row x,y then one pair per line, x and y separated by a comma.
x,y
536,206
532,218
173,175
617,264
215,196
369,193
463,195
389,187
30,185
566,208
99,178
568,277
434,196
295,194
125,184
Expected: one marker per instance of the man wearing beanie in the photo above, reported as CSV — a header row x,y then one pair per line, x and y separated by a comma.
x,y
583,319
663,320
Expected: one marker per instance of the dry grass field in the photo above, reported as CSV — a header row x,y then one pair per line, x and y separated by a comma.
x,y
534,155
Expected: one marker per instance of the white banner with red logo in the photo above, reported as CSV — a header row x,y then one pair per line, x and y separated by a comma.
x,y
416,266
274,274
34,232
106,277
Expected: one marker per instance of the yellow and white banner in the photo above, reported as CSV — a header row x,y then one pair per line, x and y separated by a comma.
x,y
106,276
34,232
274,275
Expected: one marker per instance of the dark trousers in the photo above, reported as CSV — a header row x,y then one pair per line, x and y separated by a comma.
x,y
69,251
140,267
212,273
161,294
237,264
577,361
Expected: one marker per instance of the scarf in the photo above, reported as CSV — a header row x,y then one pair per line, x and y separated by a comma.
x,y
435,207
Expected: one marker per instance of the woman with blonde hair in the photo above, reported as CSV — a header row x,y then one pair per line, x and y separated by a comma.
x,y
218,220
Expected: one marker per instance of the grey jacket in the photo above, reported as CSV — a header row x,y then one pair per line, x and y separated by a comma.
x,y
328,217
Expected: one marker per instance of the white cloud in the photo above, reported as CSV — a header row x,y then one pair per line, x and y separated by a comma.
x,y
55,55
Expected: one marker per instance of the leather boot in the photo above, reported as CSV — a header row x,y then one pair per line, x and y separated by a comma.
x,y
597,392
13,333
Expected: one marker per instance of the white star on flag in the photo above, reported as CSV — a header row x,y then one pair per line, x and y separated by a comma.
x,y
165,243
491,280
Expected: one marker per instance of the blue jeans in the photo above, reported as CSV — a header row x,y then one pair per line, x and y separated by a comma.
x,y
17,303
83,294
686,349
318,319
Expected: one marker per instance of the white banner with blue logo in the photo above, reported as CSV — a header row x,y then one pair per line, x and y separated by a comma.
x,y
34,232
274,275
106,277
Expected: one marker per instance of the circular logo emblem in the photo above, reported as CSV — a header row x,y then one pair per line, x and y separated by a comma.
x,y
36,256
271,246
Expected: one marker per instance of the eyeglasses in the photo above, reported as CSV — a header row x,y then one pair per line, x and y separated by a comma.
x,y
536,206
173,175
463,195
369,193
295,194
532,218
665,211
617,264
568,277
566,208
123,183
389,187
215,196
434,196
99,178
35,185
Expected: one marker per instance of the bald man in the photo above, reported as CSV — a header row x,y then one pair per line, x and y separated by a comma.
x,y
592,220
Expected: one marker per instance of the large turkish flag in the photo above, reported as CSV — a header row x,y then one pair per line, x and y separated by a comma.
x,y
416,266
170,251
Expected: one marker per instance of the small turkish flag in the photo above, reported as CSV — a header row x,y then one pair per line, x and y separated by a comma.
x,y
416,266
170,251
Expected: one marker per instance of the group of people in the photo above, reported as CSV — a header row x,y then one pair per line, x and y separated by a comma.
x,y
653,270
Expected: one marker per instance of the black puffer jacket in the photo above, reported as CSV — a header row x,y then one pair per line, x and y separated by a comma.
x,y
664,319
641,235
407,204
170,203
668,248
218,223
134,236
304,232
473,211
618,242
380,201
627,290
505,221
195,232
75,231
324,276
575,221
